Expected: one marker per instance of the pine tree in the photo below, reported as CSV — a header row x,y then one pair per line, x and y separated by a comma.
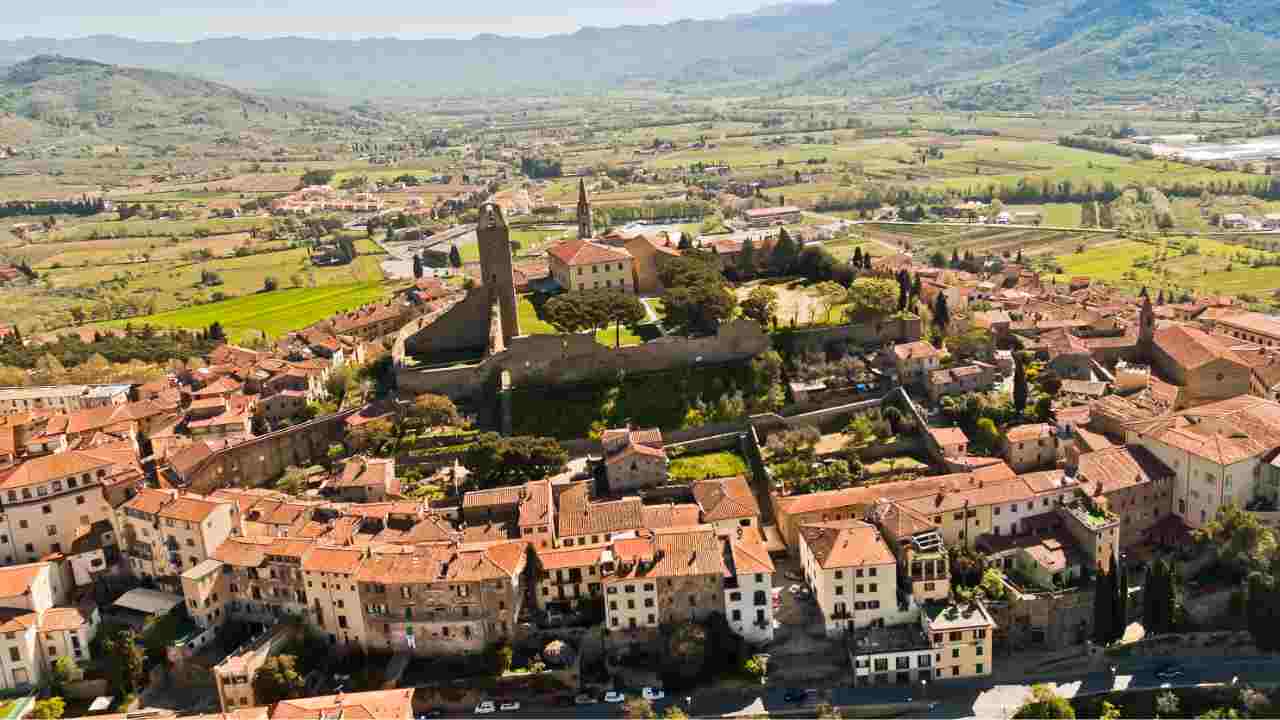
x,y
1019,384
1103,612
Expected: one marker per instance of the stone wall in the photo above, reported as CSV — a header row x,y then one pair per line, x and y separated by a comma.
x,y
254,463
465,326
1043,621
818,339
557,359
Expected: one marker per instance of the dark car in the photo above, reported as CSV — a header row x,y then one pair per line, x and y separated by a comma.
x,y
793,695
1169,672
432,713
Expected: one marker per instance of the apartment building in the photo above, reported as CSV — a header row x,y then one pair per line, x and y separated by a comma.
x,y
264,578
50,501
441,599
1030,447
365,480
62,398
381,704
852,572
923,564
167,531
665,576
914,361
579,521
234,675
567,578
748,585
36,629
961,639
333,594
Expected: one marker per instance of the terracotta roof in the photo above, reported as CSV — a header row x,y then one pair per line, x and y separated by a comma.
x,y
586,252
343,561
1253,322
494,497
1032,431
747,554
62,619
17,579
579,516
846,543
725,499
377,704
243,552
1060,342
915,350
47,467
1119,468
949,436
670,515
1191,347
367,472
899,521
868,494
574,557
535,503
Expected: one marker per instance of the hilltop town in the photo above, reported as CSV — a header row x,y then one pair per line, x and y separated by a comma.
x,y
648,405
976,470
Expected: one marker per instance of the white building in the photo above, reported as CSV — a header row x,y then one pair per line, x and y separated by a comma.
x,y
748,586
853,574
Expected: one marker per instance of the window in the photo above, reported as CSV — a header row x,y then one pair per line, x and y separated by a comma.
x,y
978,649
839,574
737,615
13,655
923,660
903,663
871,587
52,530
839,589
737,596
46,509
955,652
871,572
956,636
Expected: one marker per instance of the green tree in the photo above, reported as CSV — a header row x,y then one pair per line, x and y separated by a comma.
x,y
992,584
1168,705
673,712
49,709
435,410
278,679
1120,603
455,257
638,708
784,255
687,649
1109,711
375,437
293,481
496,461
317,177
816,263
941,313
973,344
761,305
60,674
696,300
1045,704
871,299
623,309
124,661
986,434
270,284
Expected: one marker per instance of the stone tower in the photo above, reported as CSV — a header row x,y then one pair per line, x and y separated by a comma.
x,y
494,240
1146,330
584,211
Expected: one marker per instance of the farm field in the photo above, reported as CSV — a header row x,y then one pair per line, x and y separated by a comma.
x,y
274,313
138,227
985,238
1218,267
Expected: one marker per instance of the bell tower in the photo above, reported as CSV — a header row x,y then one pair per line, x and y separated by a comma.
x,y
585,230
494,239
1146,330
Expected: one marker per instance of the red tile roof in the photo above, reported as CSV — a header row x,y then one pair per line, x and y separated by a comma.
x,y
586,252
846,543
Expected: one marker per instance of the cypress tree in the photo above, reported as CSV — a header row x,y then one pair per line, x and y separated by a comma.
x,y
941,313
417,267
1019,384
1120,605
857,257
455,257
747,258
784,253
1103,614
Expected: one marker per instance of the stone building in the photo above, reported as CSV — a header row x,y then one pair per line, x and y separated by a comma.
x,y
1030,447
46,500
852,572
634,459
167,532
588,265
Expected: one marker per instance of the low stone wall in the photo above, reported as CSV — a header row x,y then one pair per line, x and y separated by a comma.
x,y
253,463
818,339
711,443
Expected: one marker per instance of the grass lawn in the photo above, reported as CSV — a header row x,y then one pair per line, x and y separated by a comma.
x,y
274,313
531,324
1218,268
895,464
707,465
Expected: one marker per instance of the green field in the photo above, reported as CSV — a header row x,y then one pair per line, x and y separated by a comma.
x,y
274,313
1219,267
707,465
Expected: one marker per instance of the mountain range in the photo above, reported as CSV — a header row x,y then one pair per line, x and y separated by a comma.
x,y
979,52
55,95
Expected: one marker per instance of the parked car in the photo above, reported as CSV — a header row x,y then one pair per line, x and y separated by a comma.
x,y
1169,672
793,695
584,699
614,697
486,707
510,706
652,693
432,713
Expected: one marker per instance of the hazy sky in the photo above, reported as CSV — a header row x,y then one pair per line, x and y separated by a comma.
x,y
194,19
